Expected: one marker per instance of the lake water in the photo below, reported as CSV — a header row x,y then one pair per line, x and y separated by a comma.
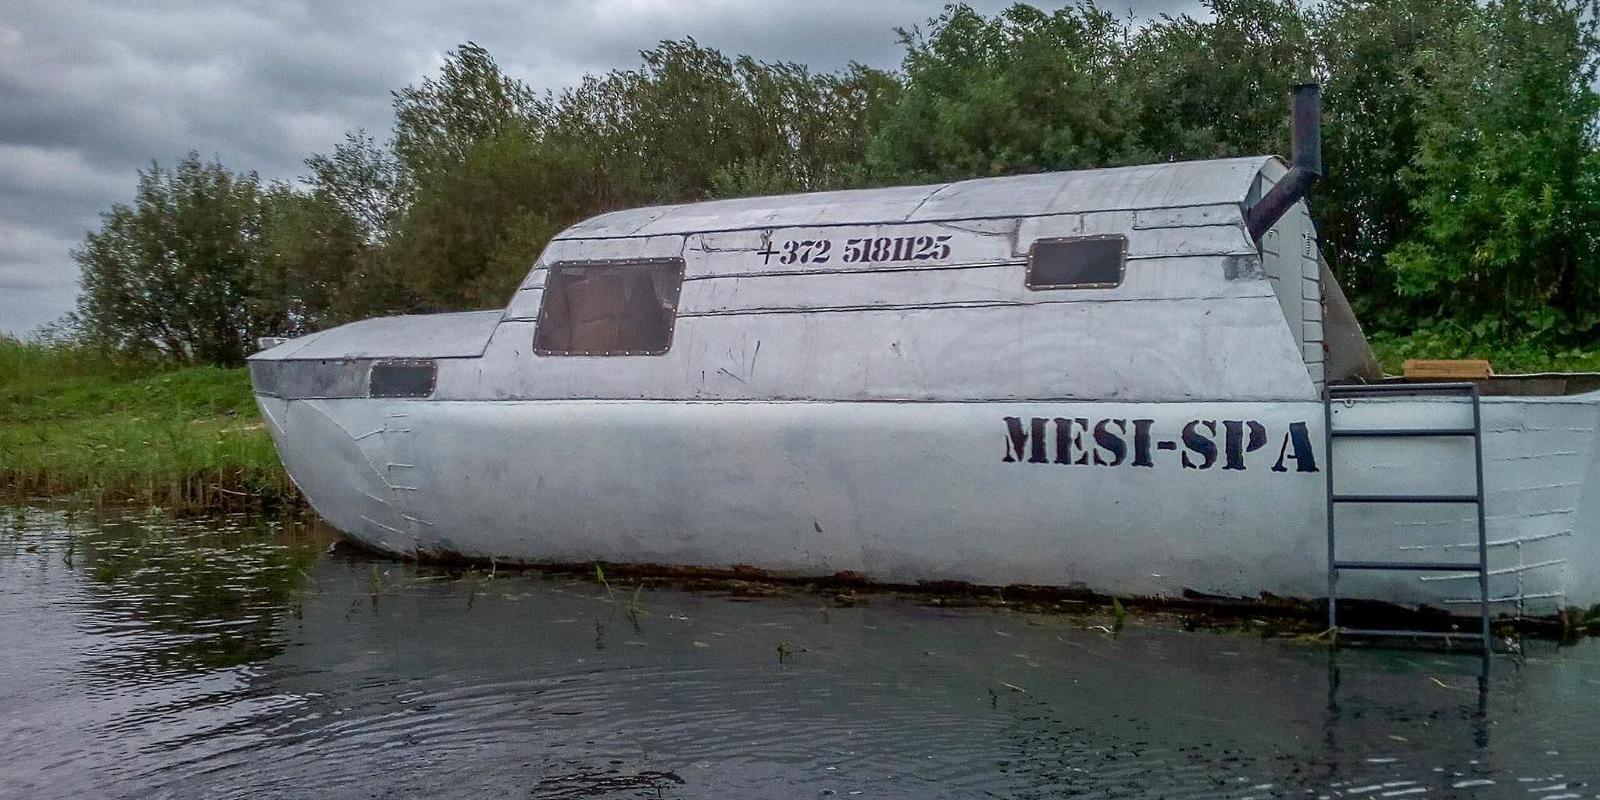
x,y
235,658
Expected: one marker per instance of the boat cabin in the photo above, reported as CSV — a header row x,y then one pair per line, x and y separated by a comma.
x,y
1134,283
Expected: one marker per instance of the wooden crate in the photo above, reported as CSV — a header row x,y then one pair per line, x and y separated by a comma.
x,y
1463,369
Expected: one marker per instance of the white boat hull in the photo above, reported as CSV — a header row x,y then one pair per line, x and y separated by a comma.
x,y
1115,498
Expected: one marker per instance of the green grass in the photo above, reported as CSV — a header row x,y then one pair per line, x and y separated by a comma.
x,y
1503,357
99,429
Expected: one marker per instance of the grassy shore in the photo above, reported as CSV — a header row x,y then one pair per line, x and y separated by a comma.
x,y
98,430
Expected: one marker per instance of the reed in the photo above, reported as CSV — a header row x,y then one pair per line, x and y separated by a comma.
x,y
635,610
100,429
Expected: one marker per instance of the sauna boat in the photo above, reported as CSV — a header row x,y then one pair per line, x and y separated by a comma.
x,y
1109,379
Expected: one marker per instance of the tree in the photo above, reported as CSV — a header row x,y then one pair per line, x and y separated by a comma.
x,y
363,179
206,260
486,191
809,131
1216,88
1505,180
1377,59
1023,91
472,233
482,188
692,122
174,272
313,264
440,119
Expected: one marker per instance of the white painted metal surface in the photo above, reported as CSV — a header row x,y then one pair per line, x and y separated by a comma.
x,y
1153,186
923,491
417,336
931,418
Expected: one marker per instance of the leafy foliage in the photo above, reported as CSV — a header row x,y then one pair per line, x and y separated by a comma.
x,y
1504,178
174,273
1021,92
1460,142
1375,63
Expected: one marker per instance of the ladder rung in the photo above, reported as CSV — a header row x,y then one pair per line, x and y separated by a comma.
x,y
1399,432
1410,565
1418,634
1405,498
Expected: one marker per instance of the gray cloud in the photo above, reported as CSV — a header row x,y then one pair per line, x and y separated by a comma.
x,y
93,90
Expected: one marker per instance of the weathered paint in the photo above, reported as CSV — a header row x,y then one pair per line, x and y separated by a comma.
x,y
460,335
1125,498
864,382
1152,186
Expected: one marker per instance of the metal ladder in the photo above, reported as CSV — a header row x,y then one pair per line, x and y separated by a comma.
x,y
1351,393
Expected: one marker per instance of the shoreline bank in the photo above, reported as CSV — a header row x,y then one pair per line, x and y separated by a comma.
x,y
92,429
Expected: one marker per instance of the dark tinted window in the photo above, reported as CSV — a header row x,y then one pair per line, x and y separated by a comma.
x,y
1084,262
609,308
401,379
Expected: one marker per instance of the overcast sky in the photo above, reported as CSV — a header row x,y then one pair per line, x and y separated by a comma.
x,y
91,91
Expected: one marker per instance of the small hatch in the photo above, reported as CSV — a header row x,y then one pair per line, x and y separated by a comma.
x,y
1079,262
401,379
609,308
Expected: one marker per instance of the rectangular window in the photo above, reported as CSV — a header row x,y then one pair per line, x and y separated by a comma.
x,y
609,308
1079,262
401,379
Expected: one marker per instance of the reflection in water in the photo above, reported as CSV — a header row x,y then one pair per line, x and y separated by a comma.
x,y
207,593
236,659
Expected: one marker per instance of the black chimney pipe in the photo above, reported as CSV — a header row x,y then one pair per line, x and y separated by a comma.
x,y
1305,167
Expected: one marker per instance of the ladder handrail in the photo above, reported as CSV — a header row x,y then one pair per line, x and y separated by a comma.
x,y
1333,559
1483,527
